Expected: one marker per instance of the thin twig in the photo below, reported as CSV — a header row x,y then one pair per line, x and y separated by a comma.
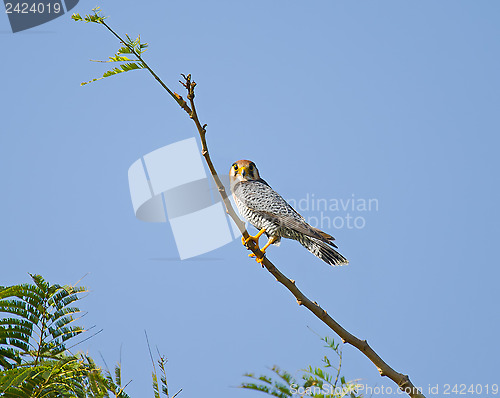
x,y
149,349
175,96
177,393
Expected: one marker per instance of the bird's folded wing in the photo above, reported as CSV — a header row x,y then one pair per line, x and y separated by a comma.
x,y
262,199
298,225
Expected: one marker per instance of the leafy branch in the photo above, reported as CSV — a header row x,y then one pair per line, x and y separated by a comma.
x,y
162,361
34,359
316,381
134,47
384,369
40,321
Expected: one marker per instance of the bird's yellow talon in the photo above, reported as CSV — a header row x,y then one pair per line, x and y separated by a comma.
x,y
257,258
255,238
244,241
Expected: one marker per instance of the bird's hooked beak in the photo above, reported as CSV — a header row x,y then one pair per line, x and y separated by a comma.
x,y
244,172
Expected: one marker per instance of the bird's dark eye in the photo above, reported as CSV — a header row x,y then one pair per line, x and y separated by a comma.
x,y
251,167
235,166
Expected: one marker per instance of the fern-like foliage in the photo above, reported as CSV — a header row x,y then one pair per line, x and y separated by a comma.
x,y
281,388
70,376
38,322
100,383
95,17
47,378
160,388
316,382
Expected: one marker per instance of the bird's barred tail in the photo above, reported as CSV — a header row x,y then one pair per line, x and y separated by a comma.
x,y
324,251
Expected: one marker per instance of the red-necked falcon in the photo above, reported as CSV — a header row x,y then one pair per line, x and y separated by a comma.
x,y
267,211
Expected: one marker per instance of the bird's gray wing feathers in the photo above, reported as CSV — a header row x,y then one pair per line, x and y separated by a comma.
x,y
261,198
299,225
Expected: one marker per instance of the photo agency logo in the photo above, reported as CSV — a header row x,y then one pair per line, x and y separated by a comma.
x,y
171,184
29,13
335,213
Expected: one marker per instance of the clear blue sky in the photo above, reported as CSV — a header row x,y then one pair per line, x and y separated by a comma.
x,y
396,101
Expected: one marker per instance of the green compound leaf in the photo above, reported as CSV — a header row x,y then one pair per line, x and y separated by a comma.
x,y
120,69
95,18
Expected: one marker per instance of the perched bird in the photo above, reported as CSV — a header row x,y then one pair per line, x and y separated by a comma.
x,y
267,211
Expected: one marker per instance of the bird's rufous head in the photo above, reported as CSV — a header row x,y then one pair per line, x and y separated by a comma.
x,y
243,170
